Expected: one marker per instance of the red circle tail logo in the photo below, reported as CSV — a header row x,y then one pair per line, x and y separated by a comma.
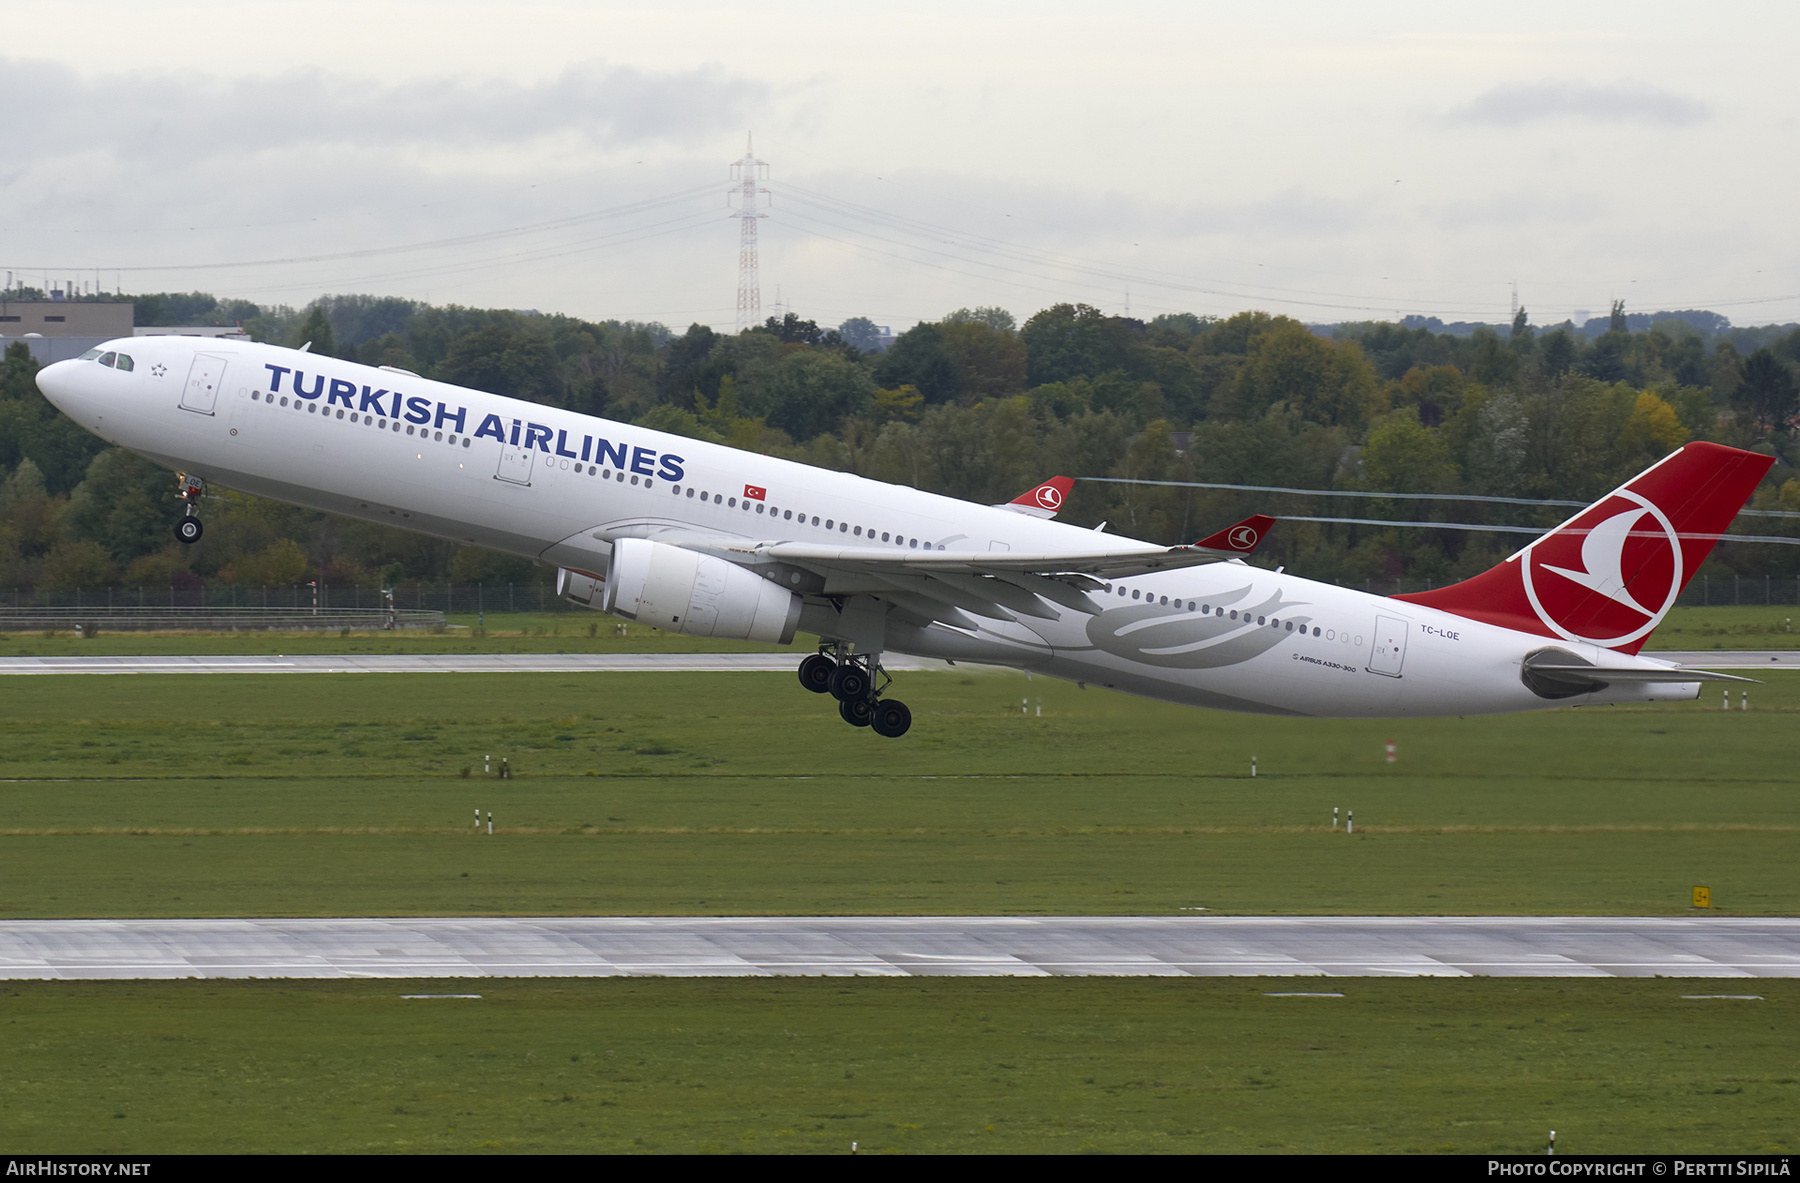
x,y
1242,538
1608,576
1048,497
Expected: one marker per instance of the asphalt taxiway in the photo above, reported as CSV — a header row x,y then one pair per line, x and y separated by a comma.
x,y
1114,946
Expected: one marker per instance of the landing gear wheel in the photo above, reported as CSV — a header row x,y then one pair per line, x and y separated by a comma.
x,y
890,718
856,711
849,683
188,531
815,673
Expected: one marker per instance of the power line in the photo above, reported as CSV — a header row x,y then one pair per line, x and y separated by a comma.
x,y
1121,480
1531,529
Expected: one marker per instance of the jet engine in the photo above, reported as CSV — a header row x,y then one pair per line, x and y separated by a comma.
x,y
681,591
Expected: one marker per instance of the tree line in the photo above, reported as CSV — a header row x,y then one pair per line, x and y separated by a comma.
x,y
978,406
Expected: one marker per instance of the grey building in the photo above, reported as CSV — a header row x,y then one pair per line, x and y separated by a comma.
x,y
56,330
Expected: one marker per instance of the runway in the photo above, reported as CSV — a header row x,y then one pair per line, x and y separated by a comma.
x,y
898,946
613,663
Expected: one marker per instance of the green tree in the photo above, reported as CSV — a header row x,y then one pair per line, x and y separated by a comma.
x,y
998,319
507,360
315,330
1768,393
124,504
988,362
861,332
918,358
1067,341
1401,455
808,392
1327,383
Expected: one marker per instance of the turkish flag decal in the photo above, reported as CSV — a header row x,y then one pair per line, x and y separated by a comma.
x,y
755,493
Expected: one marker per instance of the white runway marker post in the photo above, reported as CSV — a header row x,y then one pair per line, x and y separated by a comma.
x,y
1350,821
1253,768
490,822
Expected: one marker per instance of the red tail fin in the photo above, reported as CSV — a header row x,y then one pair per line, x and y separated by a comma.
x,y
1609,574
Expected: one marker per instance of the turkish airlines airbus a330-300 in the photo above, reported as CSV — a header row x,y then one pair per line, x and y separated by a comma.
x,y
696,538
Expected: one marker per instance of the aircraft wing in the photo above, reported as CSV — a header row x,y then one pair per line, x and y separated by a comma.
x,y
954,586
1100,562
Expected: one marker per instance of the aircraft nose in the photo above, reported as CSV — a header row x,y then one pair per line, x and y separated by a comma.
x,y
58,383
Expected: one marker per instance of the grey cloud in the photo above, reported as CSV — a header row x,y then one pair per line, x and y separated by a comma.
x,y
169,116
1550,101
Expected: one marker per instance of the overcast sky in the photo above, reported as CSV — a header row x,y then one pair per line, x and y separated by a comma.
x,y
1325,160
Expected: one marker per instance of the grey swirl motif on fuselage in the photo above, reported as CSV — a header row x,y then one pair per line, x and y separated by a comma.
x,y
1178,639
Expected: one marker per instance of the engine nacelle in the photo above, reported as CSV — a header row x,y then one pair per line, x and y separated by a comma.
x,y
680,591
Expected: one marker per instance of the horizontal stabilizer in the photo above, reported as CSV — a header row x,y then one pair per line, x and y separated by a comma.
x,y
1603,675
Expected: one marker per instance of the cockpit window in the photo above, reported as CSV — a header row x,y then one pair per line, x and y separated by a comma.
x,y
90,355
109,359
124,362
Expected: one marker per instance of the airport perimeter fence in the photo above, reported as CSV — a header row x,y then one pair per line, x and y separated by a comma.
x,y
297,607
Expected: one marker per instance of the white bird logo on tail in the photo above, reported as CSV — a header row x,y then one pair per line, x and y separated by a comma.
x,y
1603,554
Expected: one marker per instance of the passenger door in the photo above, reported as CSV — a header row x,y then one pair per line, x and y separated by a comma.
x,y
206,376
1389,651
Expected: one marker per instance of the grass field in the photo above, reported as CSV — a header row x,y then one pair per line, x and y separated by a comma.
x,y
153,795
911,1065
741,794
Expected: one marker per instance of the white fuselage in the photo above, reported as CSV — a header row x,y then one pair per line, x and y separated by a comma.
x,y
387,446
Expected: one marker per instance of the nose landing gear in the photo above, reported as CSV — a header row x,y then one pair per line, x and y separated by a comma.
x,y
188,527
851,678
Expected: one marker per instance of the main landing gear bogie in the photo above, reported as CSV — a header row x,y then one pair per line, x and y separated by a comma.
x,y
852,682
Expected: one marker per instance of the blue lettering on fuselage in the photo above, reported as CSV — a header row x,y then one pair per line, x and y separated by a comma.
x,y
621,456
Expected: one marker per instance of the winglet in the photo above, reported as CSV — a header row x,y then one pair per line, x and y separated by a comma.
x,y
1043,501
1242,538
